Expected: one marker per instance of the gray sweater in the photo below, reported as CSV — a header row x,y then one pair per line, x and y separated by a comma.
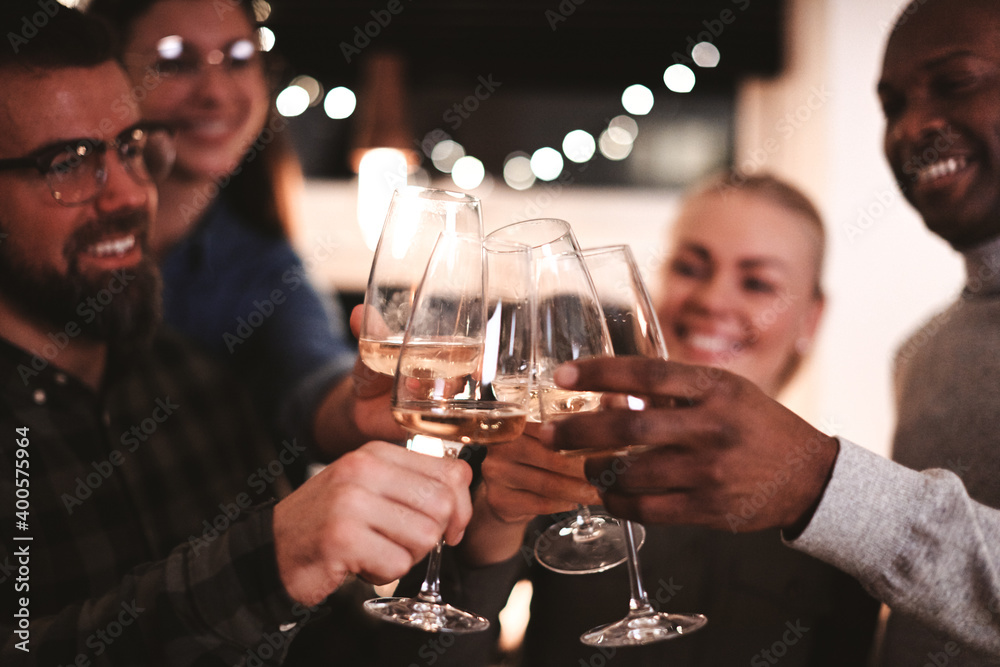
x,y
932,553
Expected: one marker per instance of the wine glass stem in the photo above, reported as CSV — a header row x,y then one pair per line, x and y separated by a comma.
x,y
430,589
584,528
638,600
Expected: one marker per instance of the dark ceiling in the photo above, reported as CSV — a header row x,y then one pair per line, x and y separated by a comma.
x,y
546,43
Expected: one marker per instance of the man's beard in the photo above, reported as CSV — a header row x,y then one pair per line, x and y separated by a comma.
x,y
120,307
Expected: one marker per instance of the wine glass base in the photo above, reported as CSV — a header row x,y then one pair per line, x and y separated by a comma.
x,y
426,616
564,548
638,629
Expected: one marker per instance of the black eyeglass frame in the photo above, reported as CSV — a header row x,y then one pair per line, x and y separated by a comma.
x,y
42,158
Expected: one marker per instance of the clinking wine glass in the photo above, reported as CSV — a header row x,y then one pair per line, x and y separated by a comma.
x,y
634,330
570,326
461,377
415,218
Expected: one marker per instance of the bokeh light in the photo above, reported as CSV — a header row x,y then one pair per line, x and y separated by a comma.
x,y
468,172
340,103
292,101
706,54
311,86
445,154
637,99
611,148
679,78
547,163
579,146
267,38
517,171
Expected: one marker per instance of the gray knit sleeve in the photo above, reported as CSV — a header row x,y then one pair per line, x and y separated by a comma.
x,y
915,540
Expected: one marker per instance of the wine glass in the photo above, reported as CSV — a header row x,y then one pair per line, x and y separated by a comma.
x,y
415,218
570,325
461,377
634,330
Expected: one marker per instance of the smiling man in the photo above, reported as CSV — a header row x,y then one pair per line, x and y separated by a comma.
x,y
926,543
940,93
170,548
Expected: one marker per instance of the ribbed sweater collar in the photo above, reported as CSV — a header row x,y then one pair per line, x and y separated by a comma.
x,y
982,269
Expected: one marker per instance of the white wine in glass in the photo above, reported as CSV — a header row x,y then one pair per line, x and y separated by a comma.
x,y
465,336
415,218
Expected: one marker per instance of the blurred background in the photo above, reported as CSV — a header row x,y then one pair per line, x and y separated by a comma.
x,y
601,113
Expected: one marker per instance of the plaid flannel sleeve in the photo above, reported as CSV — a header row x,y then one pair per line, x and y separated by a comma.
x,y
217,600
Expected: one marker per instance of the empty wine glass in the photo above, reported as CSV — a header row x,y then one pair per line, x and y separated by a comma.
x,y
595,540
461,377
569,326
634,330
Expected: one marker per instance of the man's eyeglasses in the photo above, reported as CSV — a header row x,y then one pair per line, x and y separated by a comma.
x,y
76,170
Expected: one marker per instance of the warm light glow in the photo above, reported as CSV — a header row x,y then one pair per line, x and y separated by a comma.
x,y
517,171
382,170
261,10
468,172
267,38
292,101
612,149
514,617
445,154
579,146
547,163
311,86
340,103
637,99
679,78
705,54
623,129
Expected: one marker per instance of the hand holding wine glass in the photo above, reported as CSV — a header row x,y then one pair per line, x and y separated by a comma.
x,y
634,330
461,377
570,325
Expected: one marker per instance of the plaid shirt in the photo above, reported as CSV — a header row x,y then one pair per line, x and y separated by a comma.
x,y
150,516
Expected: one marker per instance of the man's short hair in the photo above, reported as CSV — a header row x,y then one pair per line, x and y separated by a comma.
x,y
43,34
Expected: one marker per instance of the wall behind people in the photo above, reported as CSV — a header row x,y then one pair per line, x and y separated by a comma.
x,y
819,126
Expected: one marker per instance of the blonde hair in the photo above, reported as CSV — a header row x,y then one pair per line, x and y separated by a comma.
x,y
773,189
